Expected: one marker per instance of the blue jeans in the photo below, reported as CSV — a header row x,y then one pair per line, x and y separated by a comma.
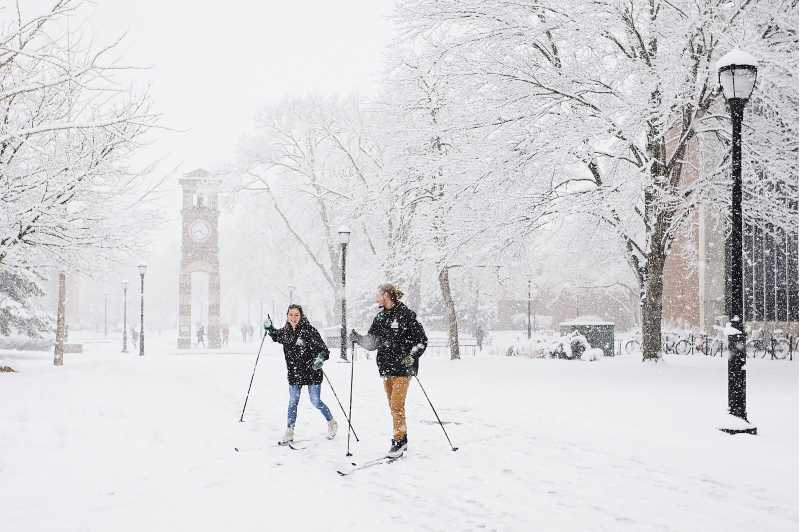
x,y
313,394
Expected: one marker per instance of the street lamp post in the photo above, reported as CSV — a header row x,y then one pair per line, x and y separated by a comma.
x,y
105,314
142,268
529,309
291,294
737,76
344,239
124,316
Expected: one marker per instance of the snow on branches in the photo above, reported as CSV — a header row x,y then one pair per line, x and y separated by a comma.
x,y
67,128
599,110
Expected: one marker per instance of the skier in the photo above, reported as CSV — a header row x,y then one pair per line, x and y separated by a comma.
x,y
305,352
400,341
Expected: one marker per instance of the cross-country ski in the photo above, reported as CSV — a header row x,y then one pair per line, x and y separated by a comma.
x,y
370,463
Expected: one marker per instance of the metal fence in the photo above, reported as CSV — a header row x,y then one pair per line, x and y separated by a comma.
x,y
436,349
443,349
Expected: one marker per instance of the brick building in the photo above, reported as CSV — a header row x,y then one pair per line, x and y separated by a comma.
x,y
694,273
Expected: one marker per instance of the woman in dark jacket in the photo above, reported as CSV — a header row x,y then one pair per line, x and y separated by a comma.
x,y
400,341
305,351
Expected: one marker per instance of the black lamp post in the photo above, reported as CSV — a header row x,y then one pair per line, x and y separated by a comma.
x,y
737,76
142,268
124,316
105,314
344,239
529,309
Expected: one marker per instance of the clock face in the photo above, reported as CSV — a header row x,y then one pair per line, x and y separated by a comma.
x,y
199,231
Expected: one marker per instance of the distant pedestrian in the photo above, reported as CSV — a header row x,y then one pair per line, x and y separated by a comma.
x,y
201,334
225,333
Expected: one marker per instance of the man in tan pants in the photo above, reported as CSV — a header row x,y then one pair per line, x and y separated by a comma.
x,y
400,341
396,389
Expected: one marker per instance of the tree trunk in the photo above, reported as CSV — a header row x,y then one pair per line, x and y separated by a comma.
x,y
652,295
414,291
58,354
652,306
452,320
656,223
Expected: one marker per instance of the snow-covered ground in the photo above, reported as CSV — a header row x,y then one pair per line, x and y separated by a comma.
x,y
114,442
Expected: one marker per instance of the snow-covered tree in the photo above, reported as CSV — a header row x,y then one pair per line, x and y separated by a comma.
x,y
68,123
420,99
317,170
599,107
66,127
18,314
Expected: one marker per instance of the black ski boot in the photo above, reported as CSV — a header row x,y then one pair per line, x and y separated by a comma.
x,y
398,447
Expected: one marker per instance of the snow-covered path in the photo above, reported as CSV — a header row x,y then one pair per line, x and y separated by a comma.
x,y
118,442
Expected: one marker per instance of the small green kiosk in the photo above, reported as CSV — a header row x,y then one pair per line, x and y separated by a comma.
x,y
598,332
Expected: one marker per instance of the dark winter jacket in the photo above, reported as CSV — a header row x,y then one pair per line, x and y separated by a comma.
x,y
395,333
300,347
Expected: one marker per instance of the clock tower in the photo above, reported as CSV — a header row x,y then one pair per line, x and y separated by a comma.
x,y
199,253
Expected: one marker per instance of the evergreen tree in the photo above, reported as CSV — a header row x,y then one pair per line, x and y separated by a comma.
x,y
18,313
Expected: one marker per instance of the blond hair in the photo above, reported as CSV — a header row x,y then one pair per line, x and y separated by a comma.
x,y
394,293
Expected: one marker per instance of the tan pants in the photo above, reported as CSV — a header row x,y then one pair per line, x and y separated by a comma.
x,y
396,389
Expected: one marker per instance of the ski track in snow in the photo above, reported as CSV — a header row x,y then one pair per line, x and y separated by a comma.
x,y
118,442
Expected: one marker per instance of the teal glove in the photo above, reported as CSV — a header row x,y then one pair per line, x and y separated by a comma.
x,y
408,361
268,324
318,363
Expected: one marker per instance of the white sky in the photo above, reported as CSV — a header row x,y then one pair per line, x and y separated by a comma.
x,y
213,65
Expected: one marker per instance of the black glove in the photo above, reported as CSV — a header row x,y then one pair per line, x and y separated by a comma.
x,y
354,336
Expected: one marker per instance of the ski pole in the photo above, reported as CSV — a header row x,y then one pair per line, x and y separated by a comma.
x,y
437,415
252,376
350,414
340,405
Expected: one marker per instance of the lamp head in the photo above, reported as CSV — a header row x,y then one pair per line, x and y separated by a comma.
x,y
344,234
737,72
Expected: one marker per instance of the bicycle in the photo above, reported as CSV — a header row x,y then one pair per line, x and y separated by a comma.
x,y
711,345
673,344
778,347
679,346
781,345
633,346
